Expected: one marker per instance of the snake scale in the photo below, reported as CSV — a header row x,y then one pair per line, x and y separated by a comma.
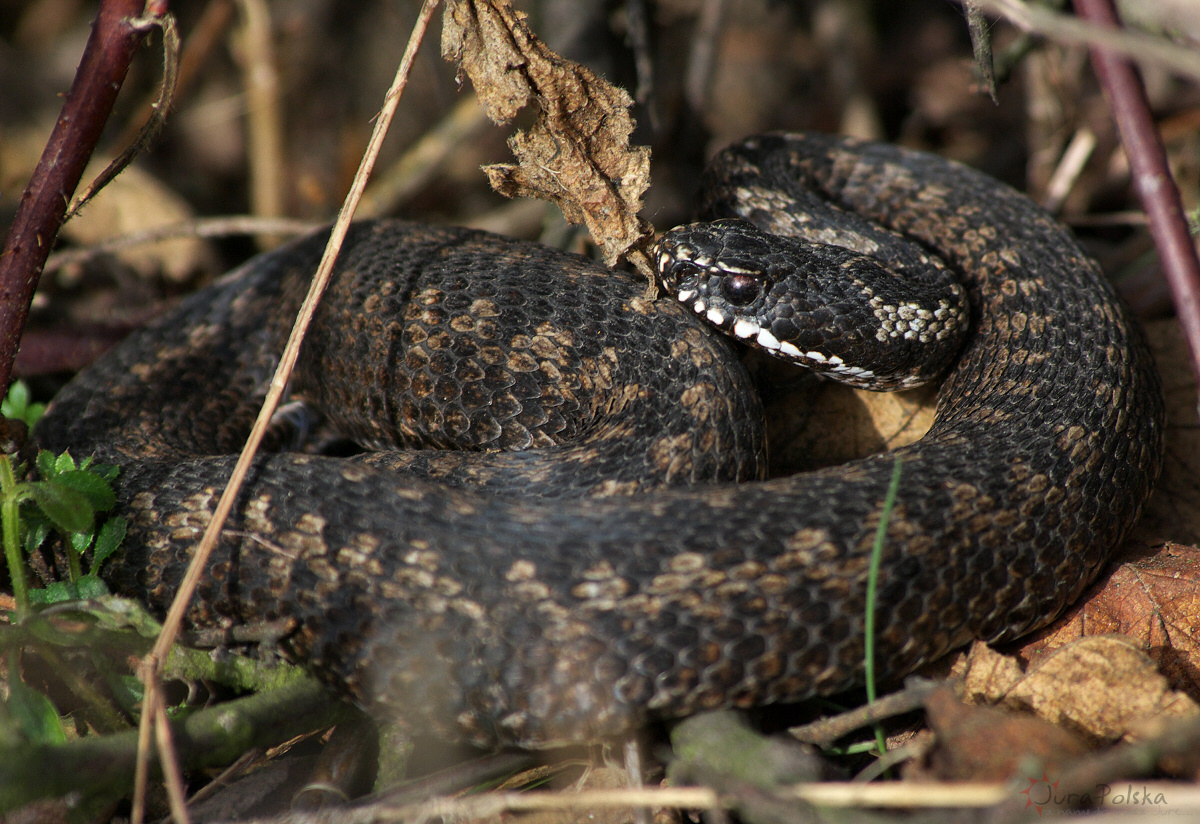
x,y
545,542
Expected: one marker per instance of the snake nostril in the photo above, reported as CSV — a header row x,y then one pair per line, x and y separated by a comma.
x,y
680,271
741,289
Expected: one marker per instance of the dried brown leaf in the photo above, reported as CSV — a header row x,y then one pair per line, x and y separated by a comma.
x,y
1151,596
133,202
1103,686
987,744
577,154
986,674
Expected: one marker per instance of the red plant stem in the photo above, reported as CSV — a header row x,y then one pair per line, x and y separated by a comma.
x,y
110,48
1152,179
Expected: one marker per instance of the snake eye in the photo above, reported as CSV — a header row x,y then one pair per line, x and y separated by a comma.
x,y
741,289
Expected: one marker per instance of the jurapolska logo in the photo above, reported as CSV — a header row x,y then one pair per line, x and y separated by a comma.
x,y
1042,792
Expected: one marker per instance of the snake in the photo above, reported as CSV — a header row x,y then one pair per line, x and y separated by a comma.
x,y
515,500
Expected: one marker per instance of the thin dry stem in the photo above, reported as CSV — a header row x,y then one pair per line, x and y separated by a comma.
x,y
204,227
115,38
1063,28
1070,165
264,120
201,42
1151,174
172,775
831,794
150,709
417,166
174,619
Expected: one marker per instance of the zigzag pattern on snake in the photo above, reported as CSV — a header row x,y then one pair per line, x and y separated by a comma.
x,y
439,587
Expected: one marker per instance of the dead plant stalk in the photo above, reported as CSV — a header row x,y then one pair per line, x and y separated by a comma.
x,y
152,666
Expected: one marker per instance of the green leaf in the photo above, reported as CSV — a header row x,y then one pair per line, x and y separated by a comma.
x,y
68,509
45,463
99,493
17,405
80,541
56,592
17,399
90,586
109,539
64,463
36,530
108,472
34,714
134,691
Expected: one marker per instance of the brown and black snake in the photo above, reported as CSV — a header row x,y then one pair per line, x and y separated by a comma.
x,y
601,548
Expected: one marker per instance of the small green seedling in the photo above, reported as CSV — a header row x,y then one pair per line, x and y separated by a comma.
x,y
17,405
67,498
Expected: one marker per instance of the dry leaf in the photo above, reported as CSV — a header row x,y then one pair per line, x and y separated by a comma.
x,y
987,744
577,154
987,675
1103,686
135,201
833,424
1153,597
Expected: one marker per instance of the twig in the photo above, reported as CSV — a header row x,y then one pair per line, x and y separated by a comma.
x,y
702,62
981,45
200,227
172,775
114,39
1070,165
152,665
208,737
206,34
420,162
263,117
827,730
1065,29
1151,175
150,129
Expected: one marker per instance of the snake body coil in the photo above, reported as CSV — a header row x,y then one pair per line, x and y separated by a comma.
x,y
517,619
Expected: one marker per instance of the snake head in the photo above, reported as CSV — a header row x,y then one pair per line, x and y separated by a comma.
x,y
724,271
736,276
830,309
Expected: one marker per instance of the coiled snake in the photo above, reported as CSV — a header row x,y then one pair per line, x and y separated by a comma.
x,y
600,574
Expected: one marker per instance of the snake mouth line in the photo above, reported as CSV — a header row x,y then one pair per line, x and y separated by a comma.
x,y
751,332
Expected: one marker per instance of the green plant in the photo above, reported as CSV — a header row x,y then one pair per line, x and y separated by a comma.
x,y
16,405
67,498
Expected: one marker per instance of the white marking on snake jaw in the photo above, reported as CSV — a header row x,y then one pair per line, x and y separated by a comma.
x,y
686,294
789,350
767,340
698,307
815,356
745,329
715,317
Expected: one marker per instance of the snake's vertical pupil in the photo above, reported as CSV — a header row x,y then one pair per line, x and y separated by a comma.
x,y
741,289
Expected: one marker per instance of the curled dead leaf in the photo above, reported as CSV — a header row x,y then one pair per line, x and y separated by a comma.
x,y
1102,687
577,154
